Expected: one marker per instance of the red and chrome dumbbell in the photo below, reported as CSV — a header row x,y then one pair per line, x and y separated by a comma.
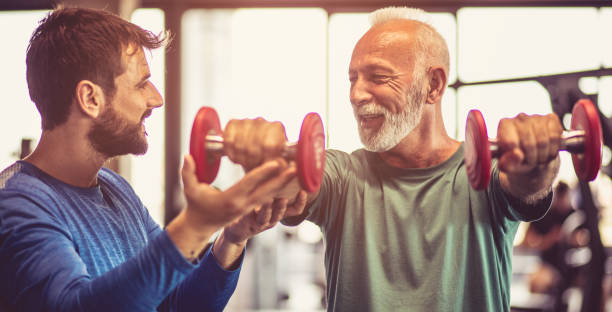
x,y
583,141
206,147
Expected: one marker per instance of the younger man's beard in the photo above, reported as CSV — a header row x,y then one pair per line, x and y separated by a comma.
x,y
112,135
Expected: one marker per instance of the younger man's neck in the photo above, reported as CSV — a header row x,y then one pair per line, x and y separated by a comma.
x,y
67,156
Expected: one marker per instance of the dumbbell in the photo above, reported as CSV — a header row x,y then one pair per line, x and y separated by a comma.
x,y
206,147
583,141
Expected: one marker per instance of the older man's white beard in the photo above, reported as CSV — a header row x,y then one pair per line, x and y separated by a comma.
x,y
394,128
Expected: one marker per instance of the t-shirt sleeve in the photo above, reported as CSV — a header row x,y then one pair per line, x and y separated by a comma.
x,y
511,209
40,269
324,209
328,205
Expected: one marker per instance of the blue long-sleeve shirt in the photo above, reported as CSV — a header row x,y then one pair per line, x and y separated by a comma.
x,y
65,248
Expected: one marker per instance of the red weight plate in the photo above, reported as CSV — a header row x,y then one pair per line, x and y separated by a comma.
x,y
207,164
585,117
476,150
310,155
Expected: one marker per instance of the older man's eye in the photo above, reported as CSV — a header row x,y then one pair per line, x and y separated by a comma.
x,y
380,79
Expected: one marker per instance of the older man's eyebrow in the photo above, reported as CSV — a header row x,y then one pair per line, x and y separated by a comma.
x,y
377,66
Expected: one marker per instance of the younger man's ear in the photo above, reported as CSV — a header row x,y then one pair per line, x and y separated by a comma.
x,y
89,98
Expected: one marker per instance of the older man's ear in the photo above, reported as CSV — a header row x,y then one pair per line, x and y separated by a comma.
x,y
437,84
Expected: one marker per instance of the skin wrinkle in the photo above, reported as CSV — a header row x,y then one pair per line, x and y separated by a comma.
x,y
394,84
383,74
401,57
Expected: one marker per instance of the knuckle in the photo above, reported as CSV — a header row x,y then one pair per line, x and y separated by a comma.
x,y
555,138
541,142
250,149
555,124
506,141
270,144
553,117
278,127
505,125
240,149
522,116
259,122
269,147
246,123
529,145
504,122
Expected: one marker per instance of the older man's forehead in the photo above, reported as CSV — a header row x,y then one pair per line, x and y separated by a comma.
x,y
388,35
384,43
392,35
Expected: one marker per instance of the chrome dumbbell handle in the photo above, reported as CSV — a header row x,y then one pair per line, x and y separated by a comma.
x,y
572,141
214,144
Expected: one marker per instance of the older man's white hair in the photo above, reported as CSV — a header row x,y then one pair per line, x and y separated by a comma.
x,y
429,41
384,15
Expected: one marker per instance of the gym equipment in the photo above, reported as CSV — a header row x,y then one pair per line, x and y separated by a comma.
x,y
206,147
583,141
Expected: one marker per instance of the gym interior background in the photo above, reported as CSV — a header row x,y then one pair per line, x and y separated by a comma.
x,y
283,59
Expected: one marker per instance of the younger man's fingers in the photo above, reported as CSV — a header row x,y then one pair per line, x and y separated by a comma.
x,y
272,187
188,172
258,176
279,208
263,216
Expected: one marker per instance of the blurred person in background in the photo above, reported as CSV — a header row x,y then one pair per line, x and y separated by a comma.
x,y
557,237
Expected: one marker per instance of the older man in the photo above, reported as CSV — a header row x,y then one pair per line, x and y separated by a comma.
x,y
404,231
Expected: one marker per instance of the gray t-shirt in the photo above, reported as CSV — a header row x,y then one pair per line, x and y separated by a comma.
x,y
415,239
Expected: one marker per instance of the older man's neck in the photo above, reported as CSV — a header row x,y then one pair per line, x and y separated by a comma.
x,y
422,148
